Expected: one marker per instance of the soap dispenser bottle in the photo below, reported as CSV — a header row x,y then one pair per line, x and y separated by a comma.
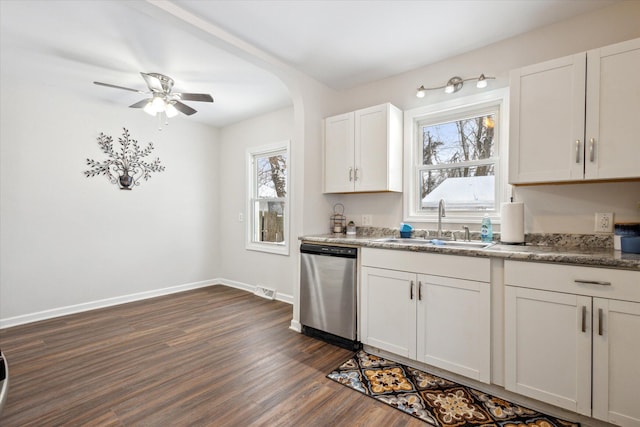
x,y
486,230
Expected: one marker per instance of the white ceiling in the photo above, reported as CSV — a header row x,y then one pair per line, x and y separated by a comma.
x,y
340,43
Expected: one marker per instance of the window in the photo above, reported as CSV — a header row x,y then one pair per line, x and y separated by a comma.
x,y
268,212
455,151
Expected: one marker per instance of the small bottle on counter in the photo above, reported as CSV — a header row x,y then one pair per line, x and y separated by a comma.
x,y
486,230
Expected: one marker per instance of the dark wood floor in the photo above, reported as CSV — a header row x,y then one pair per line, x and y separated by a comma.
x,y
213,356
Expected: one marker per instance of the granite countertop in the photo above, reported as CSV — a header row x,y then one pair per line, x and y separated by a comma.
x,y
587,256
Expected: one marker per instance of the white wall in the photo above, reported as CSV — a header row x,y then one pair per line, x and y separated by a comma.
x,y
558,208
71,241
236,263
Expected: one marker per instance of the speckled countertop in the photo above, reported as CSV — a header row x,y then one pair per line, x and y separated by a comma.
x,y
578,255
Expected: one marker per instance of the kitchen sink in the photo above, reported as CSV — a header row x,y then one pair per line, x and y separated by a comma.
x,y
404,241
437,242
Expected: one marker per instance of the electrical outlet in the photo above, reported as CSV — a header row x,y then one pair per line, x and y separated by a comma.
x,y
367,220
604,222
240,216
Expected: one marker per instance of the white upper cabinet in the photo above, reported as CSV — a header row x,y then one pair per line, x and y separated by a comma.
x,y
613,112
363,151
550,140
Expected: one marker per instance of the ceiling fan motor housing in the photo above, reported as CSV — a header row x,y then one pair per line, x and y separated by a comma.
x,y
165,81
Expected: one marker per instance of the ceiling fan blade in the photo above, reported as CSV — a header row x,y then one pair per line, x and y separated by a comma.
x,y
140,104
201,97
184,108
118,87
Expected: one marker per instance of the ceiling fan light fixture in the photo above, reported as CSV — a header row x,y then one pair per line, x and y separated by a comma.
x,y
157,104
170,110
148,108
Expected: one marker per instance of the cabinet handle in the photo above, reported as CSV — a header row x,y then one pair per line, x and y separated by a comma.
x,y
411,290
592,143
599,321
584,318
355,176
577,151
420,290
350,174
593,282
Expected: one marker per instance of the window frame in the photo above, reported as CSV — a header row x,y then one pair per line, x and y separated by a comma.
x,y
279,248
456,109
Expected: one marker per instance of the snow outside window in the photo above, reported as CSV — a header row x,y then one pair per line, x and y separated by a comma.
x,y
456,151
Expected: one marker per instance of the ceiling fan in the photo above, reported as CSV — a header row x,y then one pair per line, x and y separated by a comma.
x,y
162,99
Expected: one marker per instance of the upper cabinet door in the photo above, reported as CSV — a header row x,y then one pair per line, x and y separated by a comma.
x,y
546,140
371,148
613,112
363,151
339,153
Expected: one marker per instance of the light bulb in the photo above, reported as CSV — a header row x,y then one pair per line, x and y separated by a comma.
x,y
449,89
149,109
421,92
170,110
482,82
157,105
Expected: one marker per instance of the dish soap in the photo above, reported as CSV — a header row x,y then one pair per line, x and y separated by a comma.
x,y
486,230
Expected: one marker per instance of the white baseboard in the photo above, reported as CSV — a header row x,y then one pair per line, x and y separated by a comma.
x,y
295,325
107,302
252,288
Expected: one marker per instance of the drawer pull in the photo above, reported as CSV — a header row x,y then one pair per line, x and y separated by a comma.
x,y
599,321
420,290
411,290
350,174
592,142
584,319
578,151
593,282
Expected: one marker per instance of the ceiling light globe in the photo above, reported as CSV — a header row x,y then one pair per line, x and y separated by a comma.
x,y
482,82
170,110
449,89
421,92
149,109
157,105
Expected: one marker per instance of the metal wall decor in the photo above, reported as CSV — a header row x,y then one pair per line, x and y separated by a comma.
x,y
125,167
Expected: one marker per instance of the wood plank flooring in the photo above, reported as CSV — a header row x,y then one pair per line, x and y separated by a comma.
x,y
215,356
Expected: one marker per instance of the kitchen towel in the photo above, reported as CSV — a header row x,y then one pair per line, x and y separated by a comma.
x,y
512,222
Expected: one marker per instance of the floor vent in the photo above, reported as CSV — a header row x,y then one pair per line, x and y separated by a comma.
x,y
267,293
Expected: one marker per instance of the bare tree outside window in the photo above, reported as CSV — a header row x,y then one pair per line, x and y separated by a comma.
x,y
458,164
271,189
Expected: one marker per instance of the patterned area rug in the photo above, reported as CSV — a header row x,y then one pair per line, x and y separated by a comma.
x,y
433,399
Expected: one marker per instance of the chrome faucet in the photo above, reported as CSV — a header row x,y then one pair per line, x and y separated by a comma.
x,y
441,214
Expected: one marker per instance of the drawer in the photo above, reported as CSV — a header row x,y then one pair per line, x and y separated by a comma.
x,y
589,281
462,267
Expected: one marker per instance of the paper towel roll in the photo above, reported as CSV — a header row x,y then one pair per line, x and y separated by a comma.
x,y
512,222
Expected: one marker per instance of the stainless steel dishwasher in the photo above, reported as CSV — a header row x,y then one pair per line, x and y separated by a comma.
x,y
328,293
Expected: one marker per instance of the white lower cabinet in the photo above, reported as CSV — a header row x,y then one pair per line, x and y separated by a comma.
x,y
434,318
389,310
570,330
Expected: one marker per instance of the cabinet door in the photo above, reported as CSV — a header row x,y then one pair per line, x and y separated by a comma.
x,y
613,112
389,310
454,325
371,149
546,141
548,347
338,153
616,371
